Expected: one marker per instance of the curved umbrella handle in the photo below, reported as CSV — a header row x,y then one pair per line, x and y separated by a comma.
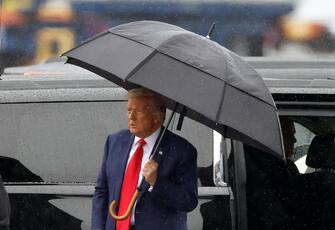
x,y
127,213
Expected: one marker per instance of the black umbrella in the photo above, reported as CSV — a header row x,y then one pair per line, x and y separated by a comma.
x,y
213,85
216,87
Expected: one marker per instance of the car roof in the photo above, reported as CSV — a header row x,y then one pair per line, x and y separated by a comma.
x,y
52,73
55,81
296,76
282,76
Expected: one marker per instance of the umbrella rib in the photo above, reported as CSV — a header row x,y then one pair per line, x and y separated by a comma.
x,y
85,42
155,50
272,105
140,64
214,77
158,51
131,39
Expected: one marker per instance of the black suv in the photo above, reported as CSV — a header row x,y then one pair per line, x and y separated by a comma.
x,y
54,120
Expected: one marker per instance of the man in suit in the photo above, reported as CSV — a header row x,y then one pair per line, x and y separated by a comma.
x,y
4,207
288,130
169,189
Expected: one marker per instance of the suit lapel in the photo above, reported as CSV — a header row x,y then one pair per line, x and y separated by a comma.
x,y
163,147
125,150
123,154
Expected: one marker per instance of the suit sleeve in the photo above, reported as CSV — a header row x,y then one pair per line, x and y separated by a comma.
x,y
100,196
181,193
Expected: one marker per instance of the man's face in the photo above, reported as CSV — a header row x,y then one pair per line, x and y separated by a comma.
x,y
143,119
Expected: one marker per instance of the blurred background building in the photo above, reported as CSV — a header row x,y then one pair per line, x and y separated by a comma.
x,y
312,24
35,30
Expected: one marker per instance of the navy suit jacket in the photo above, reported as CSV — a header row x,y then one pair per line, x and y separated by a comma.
x,y
174,193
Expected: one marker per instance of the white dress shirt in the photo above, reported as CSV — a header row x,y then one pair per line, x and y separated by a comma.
x,y
147,149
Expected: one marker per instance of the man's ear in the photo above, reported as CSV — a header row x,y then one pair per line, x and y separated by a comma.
x,y
158,118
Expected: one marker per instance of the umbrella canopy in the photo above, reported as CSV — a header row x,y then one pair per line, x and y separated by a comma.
x,y
214,84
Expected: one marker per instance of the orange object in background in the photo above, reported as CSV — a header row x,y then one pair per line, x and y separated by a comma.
x,y
55,11
12,18
311,21
11,12
301,31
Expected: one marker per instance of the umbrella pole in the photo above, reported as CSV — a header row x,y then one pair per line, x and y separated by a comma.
x,y
114,203
161,135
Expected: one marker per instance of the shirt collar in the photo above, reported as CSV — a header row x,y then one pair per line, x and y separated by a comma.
x,y
150,140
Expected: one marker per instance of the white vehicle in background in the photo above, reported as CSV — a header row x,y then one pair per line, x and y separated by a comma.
x,y
311,22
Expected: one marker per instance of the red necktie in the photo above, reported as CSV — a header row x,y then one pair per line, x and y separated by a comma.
x,y
129,185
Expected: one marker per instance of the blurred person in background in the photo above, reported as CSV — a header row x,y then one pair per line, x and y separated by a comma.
x,y
289,140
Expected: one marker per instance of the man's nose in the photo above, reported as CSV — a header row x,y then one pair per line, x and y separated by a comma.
x,y
132,114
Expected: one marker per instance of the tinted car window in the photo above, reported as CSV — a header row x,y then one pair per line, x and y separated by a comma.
x,y
63,142
304,137
59,142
